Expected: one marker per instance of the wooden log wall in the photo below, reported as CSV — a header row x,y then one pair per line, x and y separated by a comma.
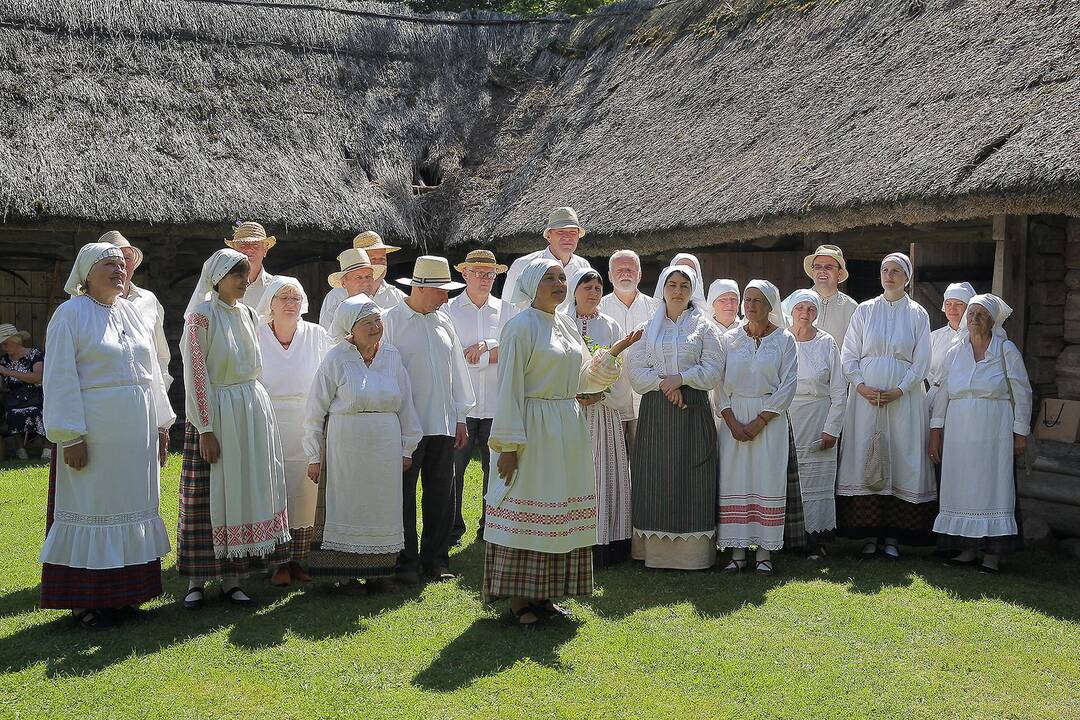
x,y
1046,299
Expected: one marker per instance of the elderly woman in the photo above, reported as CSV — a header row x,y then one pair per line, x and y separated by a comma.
x,y
817,416
105,408
604,413
21,370
541,519
885,485
982,411
370,438
688,261
674,462
232,483
724,301
954,305
760,379
292,349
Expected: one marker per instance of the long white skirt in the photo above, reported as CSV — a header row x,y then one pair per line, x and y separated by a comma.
x,y
612,468
978,497
753,481
817,467
303,494
107,513
363,484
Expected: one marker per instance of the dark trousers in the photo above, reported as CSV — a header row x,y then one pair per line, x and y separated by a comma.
x,y
479,430
433,465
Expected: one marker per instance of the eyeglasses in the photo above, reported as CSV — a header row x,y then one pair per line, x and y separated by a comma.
x,y
823,268
487,275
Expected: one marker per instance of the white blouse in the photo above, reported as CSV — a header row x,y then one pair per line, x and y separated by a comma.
x,y
966,379
940,342
689,347
386,297
288,372
896,331
769,370
474,324
821,375
605,331
346,385
153,315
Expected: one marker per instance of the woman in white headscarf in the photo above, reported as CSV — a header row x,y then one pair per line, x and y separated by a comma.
x,y
106,410
723,300
690,261
885,486
232,482
760,379
674,461
292,349
541,512
980,421
954,305
373,429
604,413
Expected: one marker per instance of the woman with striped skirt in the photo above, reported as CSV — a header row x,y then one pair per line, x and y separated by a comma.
x,y
674,460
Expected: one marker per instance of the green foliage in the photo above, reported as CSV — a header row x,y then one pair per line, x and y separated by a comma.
x,y
524,8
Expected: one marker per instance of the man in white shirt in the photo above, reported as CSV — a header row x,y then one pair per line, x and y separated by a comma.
x,y
357,275
826,267
384,295
250,239
562,233
150,310
631,308
478,319
443,395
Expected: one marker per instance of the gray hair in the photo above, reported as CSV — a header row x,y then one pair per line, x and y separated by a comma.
x,y
623,254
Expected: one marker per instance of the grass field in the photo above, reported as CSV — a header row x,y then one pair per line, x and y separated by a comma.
x,y
836,639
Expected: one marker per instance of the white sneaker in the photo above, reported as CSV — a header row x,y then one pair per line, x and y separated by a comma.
x,y
46,454
21,454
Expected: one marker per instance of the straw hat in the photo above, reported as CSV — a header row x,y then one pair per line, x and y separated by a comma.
x,y
481,259
353,259
431,271
7,330
561,218
247,232
113,237
371,240
825,251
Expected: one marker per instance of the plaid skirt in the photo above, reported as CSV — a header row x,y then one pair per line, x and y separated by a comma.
x,y
66,588
296,550
795,537
512,572
194,534
882,516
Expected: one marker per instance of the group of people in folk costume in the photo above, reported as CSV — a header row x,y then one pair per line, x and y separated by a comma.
x,y
608,426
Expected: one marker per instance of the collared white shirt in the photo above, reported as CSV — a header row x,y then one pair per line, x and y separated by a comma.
x,y
629,319
835,315
386,297
518,266
441,387
255,291
153,314
474,324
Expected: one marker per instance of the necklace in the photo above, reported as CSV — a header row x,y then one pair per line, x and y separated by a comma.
x,y
108,306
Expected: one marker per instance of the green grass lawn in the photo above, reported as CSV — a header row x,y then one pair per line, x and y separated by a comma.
x,y
836,639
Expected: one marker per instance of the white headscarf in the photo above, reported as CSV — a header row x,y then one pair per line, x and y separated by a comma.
x,y
699,291
525,289
961,291
273,288
998,309
656,324
89,256
569,305
772,295
216,267
903,261
349,312
800,296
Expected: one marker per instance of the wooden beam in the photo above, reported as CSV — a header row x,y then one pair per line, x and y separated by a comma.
x,y
1010,271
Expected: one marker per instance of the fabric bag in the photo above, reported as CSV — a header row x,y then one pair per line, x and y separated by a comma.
x,y
877,468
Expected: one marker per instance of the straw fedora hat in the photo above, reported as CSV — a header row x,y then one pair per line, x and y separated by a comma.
x,y
114,238
431,271
7,330
371,240
483,259
353,259
247,232
825,251
561,218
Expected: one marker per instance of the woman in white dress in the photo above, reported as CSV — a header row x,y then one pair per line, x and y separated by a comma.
x,y
760,378
232,481
817,417
674,461
605,412
292,349
373,429
106,410
954,305
980,421
541,517
888,496
724,300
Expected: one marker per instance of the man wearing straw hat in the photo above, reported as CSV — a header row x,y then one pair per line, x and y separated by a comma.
x,y
826,267
150,310
357,275
478,319
384,295
443,396
562,233
250,239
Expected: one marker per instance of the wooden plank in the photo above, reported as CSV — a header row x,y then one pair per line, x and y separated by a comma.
x,y
1010,271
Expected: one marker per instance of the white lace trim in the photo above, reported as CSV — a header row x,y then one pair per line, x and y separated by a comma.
x,y
359,549
70,518
674,536
751,542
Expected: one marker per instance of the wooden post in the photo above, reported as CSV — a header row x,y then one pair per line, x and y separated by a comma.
x,y
1010,271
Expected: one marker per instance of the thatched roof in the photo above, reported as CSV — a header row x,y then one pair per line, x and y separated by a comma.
x,y
688,124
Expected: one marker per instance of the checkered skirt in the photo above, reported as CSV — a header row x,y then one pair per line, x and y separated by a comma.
x,y
513,572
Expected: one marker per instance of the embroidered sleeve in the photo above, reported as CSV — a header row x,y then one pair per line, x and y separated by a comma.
x,y
196,378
